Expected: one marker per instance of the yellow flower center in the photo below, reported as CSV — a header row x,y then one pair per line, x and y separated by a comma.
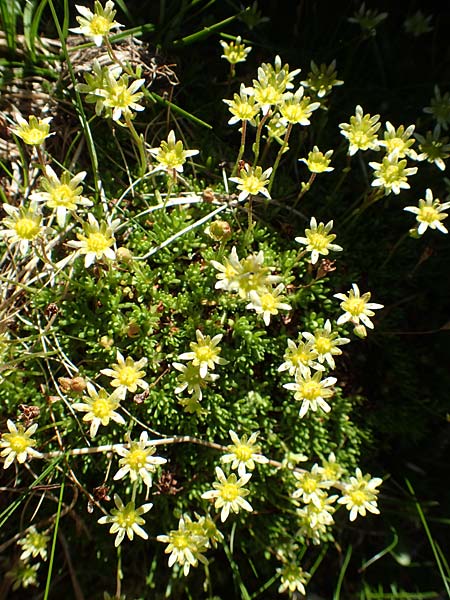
x,y
311,390
34,136
243,452
229,492
126,517
180,540
361,139
121,97
358,498
309,485
136,459
99,25
98,242
27,228
245,111
301,357
252,184
293,113
127,376
318,163
354,306
391,174
323,345
205,353
396,144
102,408
428,214
63,195
268,95
269,302
318,241
19,443
171,159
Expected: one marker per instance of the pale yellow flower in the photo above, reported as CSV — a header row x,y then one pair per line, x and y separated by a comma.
x,y
357,308
392,174
137,459
22,226
126,520
190,379
235,51
268,302
63,195
361,132
360,495
311,390
326,343
317,161
229,493
186,544
242,107
310,486
97,24
18,444
205,352
34,132
429,213
301,357
293,579
96,241
318,240
398,142
321,79
243,453
252,181
126,374
171,154
229,272
297,108
100,408
34,544
119,98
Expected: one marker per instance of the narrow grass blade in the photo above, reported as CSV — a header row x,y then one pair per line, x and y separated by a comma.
x,y
55,535
337,592
434,547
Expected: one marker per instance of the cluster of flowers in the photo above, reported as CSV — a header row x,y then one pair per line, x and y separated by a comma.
x,y
358,494
138,460
368,19
187,544
24,225
196,374
253,281
391,174
307,359
33,546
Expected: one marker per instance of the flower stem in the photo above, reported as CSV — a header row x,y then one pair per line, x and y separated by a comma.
x,y
305,188
119,575
241,149
115,58
279,155
258,136
139,143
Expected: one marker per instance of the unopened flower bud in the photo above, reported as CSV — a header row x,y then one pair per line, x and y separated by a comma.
x,y
360,331
124,255
78,384
106,342
220,231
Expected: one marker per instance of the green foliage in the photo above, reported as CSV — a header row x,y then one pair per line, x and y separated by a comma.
x,y
147,279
